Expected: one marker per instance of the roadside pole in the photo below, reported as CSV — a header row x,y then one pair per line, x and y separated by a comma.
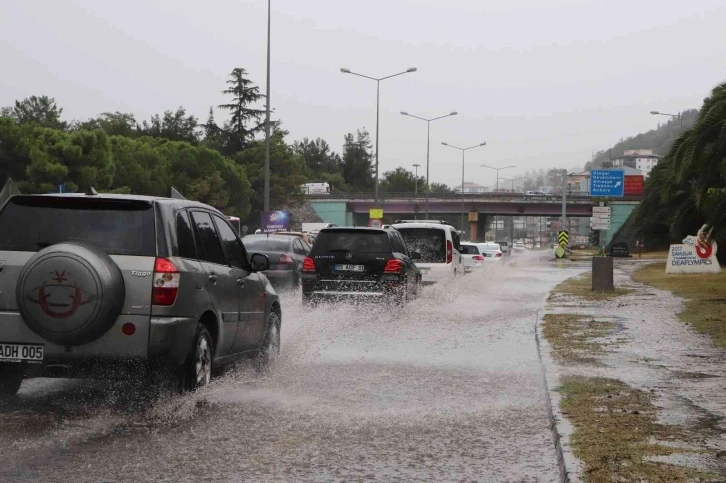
x,y
563,221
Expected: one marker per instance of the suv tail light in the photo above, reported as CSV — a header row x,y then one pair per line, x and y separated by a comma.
x,y
166,282
393,266
308,265
478,257
449,252
498,255
285,259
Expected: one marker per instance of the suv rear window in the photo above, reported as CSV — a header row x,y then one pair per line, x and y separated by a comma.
x,y
429,242
356,241
119,227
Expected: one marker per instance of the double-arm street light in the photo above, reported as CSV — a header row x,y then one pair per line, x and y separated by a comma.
x,y
378,101
463,152
428,148
673,116
415,189
516,179
497,170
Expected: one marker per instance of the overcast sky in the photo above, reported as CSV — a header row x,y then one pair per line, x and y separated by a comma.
x,y
543,82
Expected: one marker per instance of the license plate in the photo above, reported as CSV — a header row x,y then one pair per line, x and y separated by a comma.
x,y
350,268
21,352
425,271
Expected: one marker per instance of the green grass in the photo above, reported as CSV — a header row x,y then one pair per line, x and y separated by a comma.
x,y
582,287
705,294
616,429
571,337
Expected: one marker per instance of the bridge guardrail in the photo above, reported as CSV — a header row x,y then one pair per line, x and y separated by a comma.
x,y
575,196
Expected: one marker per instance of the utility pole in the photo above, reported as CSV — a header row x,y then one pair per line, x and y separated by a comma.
x,y
266,202
563,221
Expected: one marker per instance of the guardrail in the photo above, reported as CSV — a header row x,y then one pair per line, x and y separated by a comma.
x,y
487,196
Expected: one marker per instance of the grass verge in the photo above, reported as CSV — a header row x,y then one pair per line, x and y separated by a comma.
x,y
705,295
582,287
616,431
571,337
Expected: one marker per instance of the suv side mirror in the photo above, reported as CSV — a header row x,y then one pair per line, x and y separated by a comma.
x,y
415,256
259,262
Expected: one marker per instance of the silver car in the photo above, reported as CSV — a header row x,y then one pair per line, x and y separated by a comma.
x,y
110,281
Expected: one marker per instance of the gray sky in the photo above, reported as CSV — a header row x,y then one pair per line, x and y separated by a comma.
x,y
543,82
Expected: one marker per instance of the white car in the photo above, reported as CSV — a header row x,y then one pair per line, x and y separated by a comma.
x,y
491,252
439,245
472,257
518,246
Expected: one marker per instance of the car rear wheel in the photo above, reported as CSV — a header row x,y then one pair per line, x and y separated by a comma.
x,y
11,377
271,346
198,367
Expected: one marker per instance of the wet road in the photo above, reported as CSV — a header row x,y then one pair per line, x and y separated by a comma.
x,y
447,389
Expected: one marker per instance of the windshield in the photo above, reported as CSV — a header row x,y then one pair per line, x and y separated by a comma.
x,y
117,227
429,242
267,244
469,250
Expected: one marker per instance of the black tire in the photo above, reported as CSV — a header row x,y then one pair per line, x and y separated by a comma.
x,y
198,366
270,349
11,377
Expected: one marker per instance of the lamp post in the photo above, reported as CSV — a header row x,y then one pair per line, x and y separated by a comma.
x,y
673,116
415,192
463,152
266,202
428,148
496,218
378,102
516,179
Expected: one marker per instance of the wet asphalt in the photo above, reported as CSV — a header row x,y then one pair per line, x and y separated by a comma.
x,y
448,388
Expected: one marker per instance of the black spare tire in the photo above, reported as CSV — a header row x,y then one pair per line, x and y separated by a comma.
x,y
70,293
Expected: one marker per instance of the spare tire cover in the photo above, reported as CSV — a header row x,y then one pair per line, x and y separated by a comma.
x,y
70,293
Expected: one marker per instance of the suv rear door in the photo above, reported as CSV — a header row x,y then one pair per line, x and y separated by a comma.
x,y
356,257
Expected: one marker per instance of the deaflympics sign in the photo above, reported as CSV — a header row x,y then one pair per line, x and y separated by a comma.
x,y
697,254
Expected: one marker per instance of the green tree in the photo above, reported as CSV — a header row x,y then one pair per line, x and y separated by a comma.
x,y
318,157
441,189
287,173
173,125
113,123
41,110
79,159
245,120
213,135
401,180
357,164
14,155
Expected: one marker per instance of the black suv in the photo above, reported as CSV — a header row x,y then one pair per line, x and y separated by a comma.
x,y
99,280
360,263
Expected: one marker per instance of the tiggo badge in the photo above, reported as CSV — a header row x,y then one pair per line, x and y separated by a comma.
x,y
136,273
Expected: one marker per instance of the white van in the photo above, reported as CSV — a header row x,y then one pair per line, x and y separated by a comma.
x,y
439,246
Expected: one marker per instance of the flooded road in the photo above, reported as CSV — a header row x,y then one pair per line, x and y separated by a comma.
x,y
448,388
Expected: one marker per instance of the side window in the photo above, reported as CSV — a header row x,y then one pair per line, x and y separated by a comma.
x,y
298,247
398,244
210,248
235,251
456,241
186,248
307,247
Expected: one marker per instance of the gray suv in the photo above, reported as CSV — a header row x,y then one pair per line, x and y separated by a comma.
x,y
100,281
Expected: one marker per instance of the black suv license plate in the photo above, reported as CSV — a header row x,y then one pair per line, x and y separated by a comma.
x,y
349,268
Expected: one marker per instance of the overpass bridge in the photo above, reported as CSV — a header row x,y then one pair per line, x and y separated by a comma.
x,y
353,208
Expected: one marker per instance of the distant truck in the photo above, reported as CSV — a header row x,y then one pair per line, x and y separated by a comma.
x,y
315,189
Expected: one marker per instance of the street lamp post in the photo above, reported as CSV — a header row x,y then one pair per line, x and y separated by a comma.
x,y
463,152
516,179
496,218
428,148
673,116
415,192
266,201
378,102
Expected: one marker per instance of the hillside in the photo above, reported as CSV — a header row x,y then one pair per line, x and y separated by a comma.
x,y
659,139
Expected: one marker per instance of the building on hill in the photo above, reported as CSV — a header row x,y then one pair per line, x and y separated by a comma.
x,y
470,187
640,159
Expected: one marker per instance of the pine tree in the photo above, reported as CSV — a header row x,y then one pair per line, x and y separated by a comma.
x,y
240,133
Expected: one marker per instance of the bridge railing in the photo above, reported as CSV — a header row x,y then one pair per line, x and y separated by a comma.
x,y
574,196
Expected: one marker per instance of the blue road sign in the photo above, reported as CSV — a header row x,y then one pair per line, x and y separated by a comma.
x,y
607,182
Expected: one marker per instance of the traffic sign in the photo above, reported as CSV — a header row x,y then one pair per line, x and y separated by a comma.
x,y
375,223
607,182
601,209
563,237
375,213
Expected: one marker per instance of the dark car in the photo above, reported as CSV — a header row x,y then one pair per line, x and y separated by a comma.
x,y
105,281
286,254
360,263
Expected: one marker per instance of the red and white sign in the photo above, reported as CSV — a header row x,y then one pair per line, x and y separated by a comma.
x,y
695,255
375,223
634,185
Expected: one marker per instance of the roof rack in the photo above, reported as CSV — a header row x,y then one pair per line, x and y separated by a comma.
x,y
440,222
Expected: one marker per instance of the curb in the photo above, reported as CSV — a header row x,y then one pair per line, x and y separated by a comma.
x,y
562,459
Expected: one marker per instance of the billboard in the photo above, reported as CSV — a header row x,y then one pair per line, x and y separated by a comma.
x,y
697,254
634,185
272,221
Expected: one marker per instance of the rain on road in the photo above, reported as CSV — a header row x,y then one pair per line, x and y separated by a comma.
x,y
448,388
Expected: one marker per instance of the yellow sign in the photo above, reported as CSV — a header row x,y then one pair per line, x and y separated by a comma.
x,y
473,216
375,213
563,237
